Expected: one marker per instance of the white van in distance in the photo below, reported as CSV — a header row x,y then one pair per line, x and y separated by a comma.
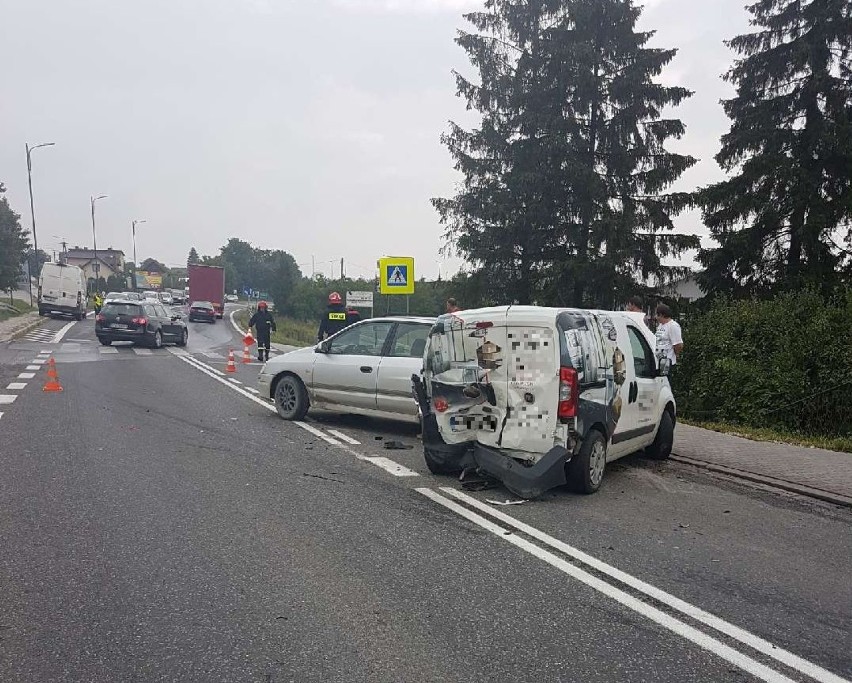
x,y
62,289
542,397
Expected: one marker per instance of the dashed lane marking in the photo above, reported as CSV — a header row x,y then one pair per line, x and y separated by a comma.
x,y
104,350
38,361
386,464
344,437
234,380
26,375
6,399
17,386
33,367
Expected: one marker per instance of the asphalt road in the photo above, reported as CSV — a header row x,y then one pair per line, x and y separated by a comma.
x,y
159,522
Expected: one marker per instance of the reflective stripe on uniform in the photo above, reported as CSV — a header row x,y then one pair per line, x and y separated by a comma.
x,y
337,316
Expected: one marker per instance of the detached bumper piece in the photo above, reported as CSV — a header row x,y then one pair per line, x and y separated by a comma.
x,y
523,481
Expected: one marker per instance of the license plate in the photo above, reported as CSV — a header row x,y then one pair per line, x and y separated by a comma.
x,y
117,326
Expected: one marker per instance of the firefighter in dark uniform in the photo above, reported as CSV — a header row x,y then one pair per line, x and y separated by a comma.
x,y
334,318
264,323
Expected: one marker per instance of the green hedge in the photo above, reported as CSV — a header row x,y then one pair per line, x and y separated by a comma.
x,y
784,363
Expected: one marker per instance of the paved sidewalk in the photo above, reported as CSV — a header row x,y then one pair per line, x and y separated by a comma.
x,y
18,325
808,468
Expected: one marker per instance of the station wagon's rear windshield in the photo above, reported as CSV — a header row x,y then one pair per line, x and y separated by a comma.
x,y
121,308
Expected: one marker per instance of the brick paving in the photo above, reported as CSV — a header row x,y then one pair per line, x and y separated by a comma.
x,y
813,467
9,328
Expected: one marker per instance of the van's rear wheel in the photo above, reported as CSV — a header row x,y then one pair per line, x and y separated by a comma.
x,y
586,469
661,449
438,465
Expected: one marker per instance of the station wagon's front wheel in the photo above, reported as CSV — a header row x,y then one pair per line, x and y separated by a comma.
x,y
291,398
586,469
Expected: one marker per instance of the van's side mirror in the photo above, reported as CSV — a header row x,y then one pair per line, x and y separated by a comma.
x,y
663,366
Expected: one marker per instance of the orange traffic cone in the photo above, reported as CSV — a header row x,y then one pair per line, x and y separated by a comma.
x,y
246,354
52,383
231,365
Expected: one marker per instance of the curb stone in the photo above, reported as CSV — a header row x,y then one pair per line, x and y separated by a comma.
x,y
801,489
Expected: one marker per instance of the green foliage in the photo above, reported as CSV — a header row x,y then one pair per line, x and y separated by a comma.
x,y
13,244
781,219
563,199
783,363
14,308
193,256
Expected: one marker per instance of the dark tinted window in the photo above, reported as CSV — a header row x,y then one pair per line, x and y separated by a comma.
x,y
643,357
201,304
149,311
118,308
409,340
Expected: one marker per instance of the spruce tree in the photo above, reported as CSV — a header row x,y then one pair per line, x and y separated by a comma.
x,y
782,220
13,244
193,256
563,199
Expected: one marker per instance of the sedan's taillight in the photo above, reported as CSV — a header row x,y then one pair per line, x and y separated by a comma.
x,y
569,393
140,321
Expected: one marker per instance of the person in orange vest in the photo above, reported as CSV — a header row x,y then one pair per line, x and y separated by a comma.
x,y
334,319
263,322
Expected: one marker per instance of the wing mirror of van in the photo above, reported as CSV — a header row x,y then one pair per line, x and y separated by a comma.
x,y
663,366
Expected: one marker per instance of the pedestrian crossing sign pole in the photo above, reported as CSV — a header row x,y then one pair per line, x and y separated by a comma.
x,y
396,275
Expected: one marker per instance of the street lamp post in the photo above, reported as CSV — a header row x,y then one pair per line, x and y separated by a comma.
x,y
32,209
97,266
135,223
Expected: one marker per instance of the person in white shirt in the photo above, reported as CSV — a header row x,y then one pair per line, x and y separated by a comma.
x,y
669,337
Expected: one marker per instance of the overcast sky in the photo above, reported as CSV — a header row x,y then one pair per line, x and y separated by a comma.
x,y
305,125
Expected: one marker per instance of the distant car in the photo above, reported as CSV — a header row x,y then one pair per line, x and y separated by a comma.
x,y
366,369
166,298
147,323
202,310
112,296
178,296
150,295
231,298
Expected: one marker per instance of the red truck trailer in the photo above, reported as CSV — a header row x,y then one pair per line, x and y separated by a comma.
x,y
207,283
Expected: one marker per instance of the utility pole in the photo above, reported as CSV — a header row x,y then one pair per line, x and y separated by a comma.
x,y
96,265
313,268
32,210
135,265
341,269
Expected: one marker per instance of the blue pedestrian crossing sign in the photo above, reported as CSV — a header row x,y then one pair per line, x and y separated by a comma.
x,y
396,275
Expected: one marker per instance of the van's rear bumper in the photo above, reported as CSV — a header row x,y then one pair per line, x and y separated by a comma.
x,y
524,481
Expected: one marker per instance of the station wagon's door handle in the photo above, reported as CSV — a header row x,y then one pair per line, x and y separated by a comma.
x,y
366,369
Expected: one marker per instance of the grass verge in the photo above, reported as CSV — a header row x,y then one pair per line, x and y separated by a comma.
x,y
290,332
18,307
831,443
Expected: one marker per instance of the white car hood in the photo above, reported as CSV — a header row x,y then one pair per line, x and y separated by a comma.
x,y
282,362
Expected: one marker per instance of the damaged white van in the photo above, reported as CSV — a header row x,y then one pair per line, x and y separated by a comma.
x,y
542,397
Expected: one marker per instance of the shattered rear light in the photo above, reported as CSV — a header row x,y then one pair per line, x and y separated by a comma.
x,y
139,321
569,392
440,404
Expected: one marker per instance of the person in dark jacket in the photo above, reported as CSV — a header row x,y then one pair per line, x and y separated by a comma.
x,y
352,316
263,322
334,319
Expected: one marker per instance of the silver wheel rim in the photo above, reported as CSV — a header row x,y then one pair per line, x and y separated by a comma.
x,y
285,396
158,340
597,462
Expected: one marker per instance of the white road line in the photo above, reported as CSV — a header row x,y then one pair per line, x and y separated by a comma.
x,y
674,625
38,361
234,380
33,367
6,399
107,349
26,375
389,465
344,437
17,386
316,432
141,352
44,353
253,390
62,332
189,360
706,618
1,416
234,323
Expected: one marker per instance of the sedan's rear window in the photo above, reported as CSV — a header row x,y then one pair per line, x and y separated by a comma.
x,y
121,308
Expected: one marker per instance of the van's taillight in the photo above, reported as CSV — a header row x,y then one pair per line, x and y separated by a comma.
x,y
484,325
139,321
441,404
569,392
100,317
